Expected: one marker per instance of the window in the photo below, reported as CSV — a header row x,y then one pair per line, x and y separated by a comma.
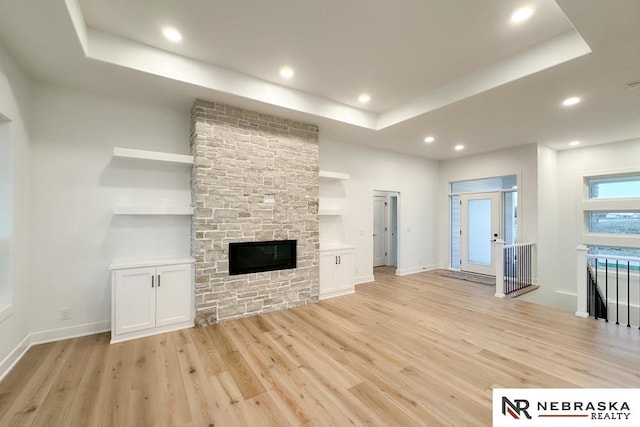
x,y
610,255
614,222
612,214
485,184
510,217
614,187
455,231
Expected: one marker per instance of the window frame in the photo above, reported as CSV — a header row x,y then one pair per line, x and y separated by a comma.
x,y
589,205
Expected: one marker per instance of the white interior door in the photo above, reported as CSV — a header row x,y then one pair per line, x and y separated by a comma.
x,y
480,225
379,230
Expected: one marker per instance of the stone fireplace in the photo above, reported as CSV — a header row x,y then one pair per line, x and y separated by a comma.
x,y
255,178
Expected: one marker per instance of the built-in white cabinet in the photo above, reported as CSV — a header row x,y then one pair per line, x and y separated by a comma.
x,y
150,298
337,271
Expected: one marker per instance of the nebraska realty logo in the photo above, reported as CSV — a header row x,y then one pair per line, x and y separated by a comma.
x,y
566,407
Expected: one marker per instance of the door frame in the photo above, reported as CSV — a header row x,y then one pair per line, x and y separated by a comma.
x,y
522,205
381,260
496,228
388,195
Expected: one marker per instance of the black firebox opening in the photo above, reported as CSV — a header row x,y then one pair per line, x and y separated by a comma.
x,y
253,257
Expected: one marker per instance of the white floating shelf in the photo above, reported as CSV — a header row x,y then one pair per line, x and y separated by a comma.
x,y
153,210
151,262
333,175
330,212
335,246
152,155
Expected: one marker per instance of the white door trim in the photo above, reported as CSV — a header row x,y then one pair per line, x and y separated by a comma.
x,y
387,195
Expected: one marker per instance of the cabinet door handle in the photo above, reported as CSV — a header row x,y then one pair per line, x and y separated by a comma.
x,y
336,260
339,259
158,280
152,277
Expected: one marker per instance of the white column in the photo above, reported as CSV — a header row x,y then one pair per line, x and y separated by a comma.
x,y
498,256
581,281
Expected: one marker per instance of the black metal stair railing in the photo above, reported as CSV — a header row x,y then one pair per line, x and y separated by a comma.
x,y
614,275
595,304
517,267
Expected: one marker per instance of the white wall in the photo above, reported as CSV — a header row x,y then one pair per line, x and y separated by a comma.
x,y
519,161
15,100
372,169
548,232
571,166
76,184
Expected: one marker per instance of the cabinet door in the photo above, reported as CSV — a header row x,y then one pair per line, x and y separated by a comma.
x,y
135,301
328,266
346,270
173,294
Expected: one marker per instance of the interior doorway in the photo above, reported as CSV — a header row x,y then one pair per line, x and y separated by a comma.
x,y
385,228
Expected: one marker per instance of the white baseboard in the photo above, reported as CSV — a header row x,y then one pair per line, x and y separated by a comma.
x,y
571,294
12,358
70,332
364,279
338,293
42,337
414,270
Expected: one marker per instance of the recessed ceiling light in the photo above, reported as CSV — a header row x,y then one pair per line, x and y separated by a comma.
x,y
521,15
364,98
574,143
459,147
172,34
571,101
429,139
286,72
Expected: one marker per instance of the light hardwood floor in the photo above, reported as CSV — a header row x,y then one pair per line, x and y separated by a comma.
x,y
416,350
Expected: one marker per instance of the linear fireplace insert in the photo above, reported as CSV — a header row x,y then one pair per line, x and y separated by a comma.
x,y
253,257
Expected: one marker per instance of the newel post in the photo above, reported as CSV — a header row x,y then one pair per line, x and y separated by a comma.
x,y
498,256
581,281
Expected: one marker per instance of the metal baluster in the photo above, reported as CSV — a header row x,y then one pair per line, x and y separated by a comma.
x,y
596,284
617,295
512,269
508,280
590,304
528,281
628,296
606,289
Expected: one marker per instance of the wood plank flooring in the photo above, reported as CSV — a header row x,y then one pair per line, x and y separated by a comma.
x,y
415,350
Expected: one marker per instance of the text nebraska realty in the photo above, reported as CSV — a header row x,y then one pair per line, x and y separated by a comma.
x,y
599,410
595,410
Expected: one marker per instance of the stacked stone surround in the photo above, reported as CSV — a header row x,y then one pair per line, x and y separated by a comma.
x,y
239,157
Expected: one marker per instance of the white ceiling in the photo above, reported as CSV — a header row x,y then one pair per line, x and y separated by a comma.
x,y
456,69
394,50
